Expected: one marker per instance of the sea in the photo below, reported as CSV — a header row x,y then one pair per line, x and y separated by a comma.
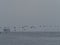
x,y
29,38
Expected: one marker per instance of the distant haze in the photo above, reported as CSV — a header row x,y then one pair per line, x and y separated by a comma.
x,y
15,12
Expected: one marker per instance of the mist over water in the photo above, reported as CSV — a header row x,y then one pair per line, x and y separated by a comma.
x,y
15,12
30,12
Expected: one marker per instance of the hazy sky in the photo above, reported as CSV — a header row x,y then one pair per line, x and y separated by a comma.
x,y
29,12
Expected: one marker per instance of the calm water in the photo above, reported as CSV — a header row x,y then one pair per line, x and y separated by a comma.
x,y
30,38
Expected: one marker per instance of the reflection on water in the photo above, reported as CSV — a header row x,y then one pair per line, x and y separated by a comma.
x,y
30,38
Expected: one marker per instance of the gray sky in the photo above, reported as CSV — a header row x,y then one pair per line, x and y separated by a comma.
x,y
24,12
